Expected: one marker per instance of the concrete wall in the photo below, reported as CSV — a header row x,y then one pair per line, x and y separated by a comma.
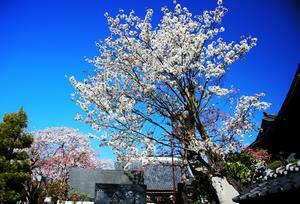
x,y
84,180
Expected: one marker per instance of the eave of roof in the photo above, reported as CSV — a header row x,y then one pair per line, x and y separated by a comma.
x,y
283,179
268,136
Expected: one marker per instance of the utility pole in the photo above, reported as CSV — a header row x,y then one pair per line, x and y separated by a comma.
x,y
173,171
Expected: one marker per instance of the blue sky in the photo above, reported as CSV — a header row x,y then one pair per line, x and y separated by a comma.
x,y
42,41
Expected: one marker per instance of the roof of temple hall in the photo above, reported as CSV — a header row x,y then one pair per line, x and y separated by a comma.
x,y
158,173
280,133
278,182
280,136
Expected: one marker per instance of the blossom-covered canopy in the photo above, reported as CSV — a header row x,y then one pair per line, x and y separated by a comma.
x,y
156,83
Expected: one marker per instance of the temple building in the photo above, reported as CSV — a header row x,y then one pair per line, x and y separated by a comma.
x,y
158,177
151,177
280,135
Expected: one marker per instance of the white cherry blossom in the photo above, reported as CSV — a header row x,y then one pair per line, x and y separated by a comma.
x,y
164,82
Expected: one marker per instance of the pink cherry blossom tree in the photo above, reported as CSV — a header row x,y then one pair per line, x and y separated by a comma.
x,y
54,151
163,85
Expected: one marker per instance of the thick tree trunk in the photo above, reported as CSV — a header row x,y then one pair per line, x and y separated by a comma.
x,y
225,191
235,184
225,185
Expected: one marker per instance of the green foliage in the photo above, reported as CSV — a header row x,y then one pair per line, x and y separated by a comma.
x,y
206,202
78,196
57,190
240,171
241,166
275,164
14,161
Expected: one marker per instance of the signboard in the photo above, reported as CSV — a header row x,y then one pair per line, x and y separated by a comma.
x,y
120,194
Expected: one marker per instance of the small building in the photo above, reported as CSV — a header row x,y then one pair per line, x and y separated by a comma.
x,y
156,173
158,176
108,186
84,180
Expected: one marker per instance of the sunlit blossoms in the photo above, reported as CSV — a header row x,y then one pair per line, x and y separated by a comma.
x,y
163,83
55,150
240,122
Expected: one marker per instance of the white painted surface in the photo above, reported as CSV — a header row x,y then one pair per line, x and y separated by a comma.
x,y
225,191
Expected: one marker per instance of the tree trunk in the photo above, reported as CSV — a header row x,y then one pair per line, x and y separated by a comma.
x,y
225,191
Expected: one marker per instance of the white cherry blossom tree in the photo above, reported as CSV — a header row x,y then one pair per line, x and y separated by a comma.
x,y
163,85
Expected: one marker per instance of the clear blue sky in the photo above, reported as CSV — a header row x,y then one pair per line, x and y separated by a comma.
x,y
42,41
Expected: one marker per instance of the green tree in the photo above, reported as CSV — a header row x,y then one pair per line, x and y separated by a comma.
x,y
14,161
248,165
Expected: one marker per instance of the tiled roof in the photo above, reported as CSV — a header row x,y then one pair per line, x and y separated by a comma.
x,y
283,179
158,173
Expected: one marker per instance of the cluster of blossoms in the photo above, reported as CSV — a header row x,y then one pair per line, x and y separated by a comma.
x,y
260,168
260,154
218,90
162,83
241,123
55,150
